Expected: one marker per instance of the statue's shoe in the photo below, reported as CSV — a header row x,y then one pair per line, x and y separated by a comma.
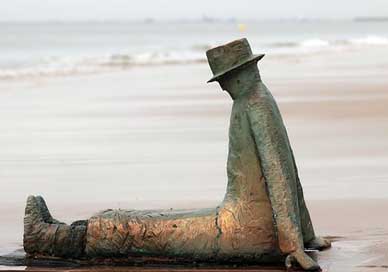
x,y
44,235
44,211
39,234
318,243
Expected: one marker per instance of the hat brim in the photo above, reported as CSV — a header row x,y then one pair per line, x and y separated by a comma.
x,y
250,59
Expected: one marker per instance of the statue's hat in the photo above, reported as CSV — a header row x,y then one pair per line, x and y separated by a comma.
x,y
226,58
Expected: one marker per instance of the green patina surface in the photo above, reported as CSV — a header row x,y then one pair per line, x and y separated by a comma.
x,y
262,218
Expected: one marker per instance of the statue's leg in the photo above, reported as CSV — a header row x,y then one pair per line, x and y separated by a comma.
x,y
304,215
276,163
305,219
310,240
43,235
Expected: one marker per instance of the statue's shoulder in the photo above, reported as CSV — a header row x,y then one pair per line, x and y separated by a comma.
x,y
257,97
260,99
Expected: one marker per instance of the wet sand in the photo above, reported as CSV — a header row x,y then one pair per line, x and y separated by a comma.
x,y
156,137
357,227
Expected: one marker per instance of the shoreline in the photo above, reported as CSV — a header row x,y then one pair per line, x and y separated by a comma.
x,y
88,143
356,226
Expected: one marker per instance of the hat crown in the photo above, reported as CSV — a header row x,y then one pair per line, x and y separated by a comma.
x,y
226,56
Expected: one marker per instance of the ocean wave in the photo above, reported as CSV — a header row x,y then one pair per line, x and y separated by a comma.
x,y
62,66
321,43
371,40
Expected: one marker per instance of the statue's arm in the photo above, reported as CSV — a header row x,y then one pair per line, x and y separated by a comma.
x,y
276,165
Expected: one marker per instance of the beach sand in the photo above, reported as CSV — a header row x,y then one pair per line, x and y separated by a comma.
x,y
156,137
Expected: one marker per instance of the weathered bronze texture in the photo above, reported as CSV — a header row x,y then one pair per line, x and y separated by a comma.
x,y
263,217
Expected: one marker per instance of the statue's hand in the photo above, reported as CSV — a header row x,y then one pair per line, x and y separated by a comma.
x,y
304,260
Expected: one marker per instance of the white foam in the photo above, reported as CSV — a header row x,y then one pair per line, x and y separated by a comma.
x,y
371,40
315,43
59,66
325,44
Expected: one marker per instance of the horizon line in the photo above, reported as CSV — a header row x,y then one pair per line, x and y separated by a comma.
x,y
204,19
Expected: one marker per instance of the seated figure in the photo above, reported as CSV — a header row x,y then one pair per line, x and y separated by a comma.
x,y
262,219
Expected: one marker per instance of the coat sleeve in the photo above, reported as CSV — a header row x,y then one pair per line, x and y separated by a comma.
x,y
275,158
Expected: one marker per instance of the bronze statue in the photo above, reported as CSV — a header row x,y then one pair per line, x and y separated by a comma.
x,y
262,219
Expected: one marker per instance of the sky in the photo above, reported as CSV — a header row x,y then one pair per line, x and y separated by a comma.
x,y
68,10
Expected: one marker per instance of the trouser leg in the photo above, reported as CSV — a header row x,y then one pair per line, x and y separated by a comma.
x,y
305,219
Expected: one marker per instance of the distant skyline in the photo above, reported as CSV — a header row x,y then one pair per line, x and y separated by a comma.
x,y
93,10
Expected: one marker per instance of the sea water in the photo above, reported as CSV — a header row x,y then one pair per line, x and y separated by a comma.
x,y
68,48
